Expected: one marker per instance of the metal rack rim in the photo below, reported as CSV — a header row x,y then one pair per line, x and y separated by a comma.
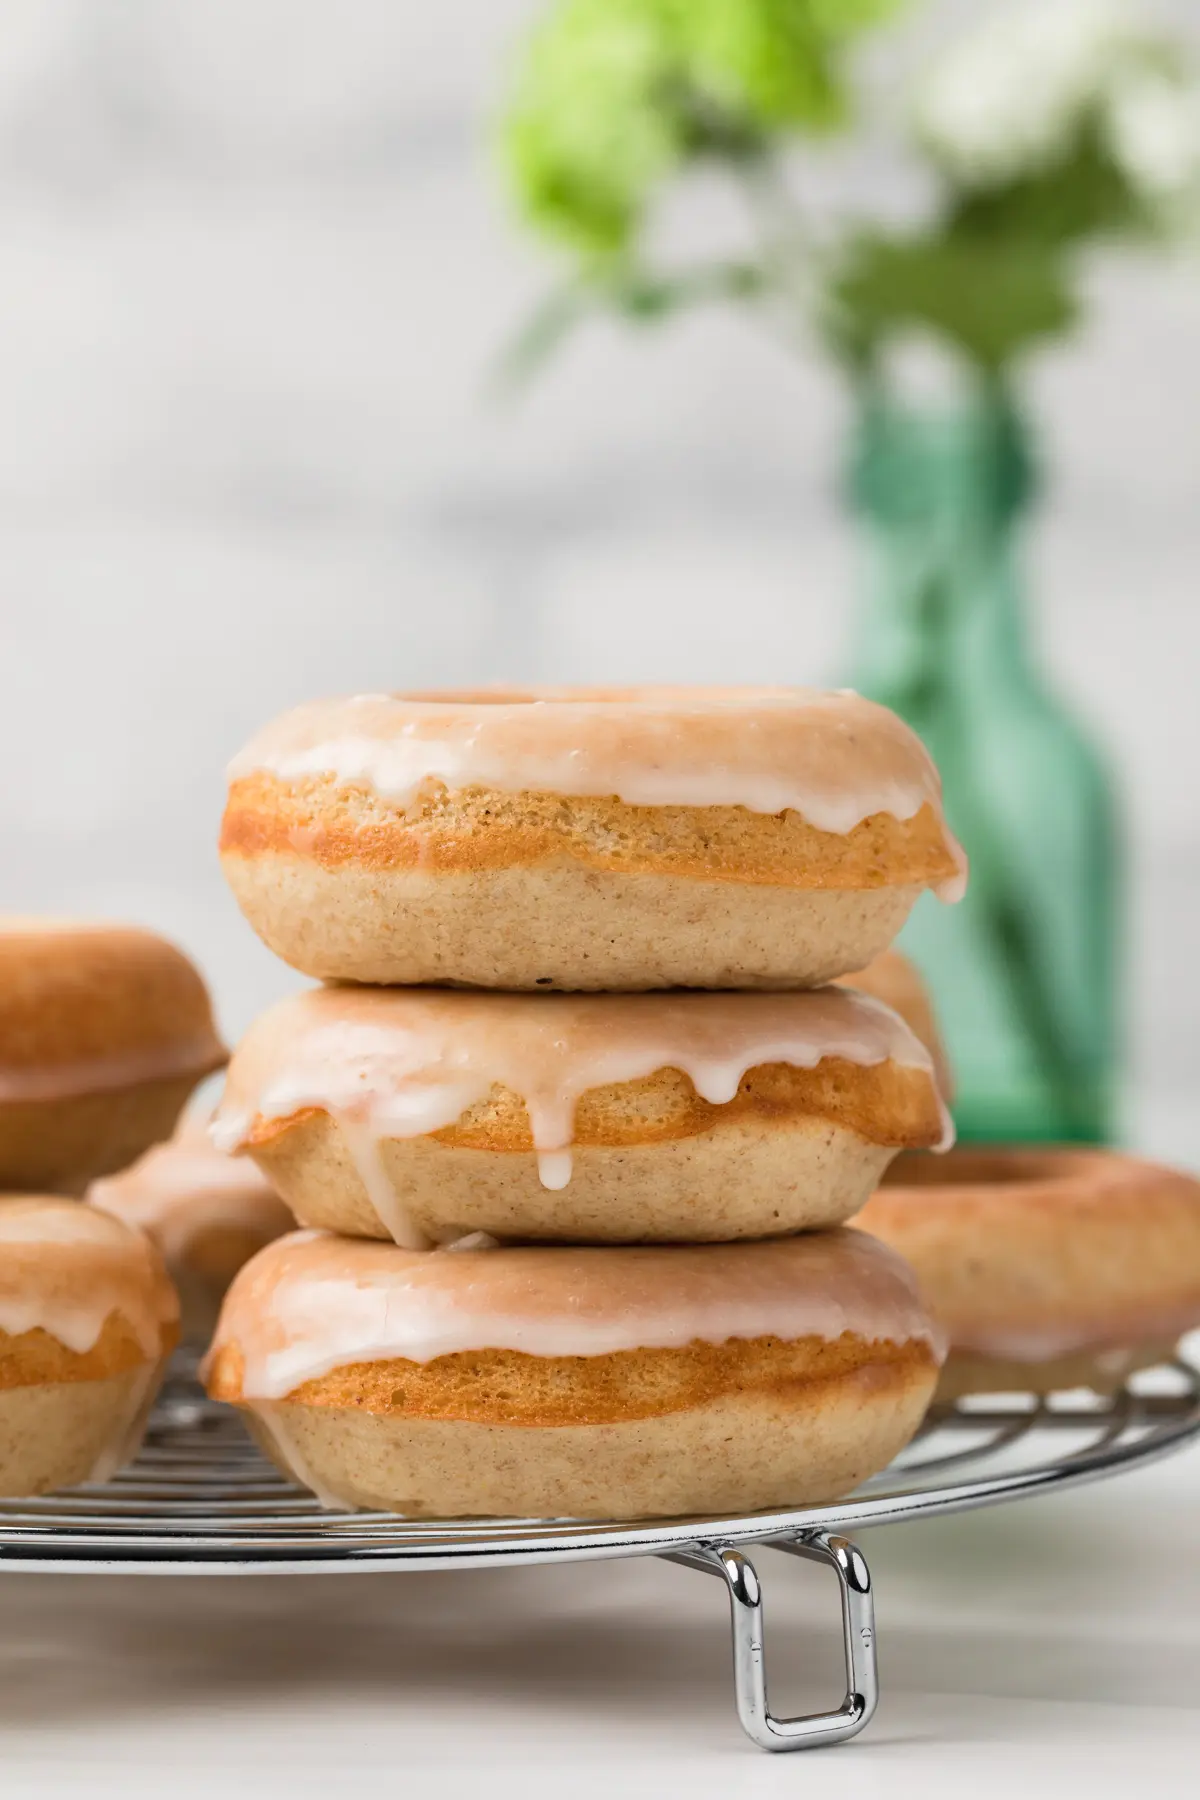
x,y
201,1500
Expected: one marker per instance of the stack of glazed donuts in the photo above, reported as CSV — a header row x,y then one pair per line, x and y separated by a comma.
x,y
572,1137
104,1032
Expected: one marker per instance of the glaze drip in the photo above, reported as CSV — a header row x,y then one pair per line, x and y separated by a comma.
x,y
65,1268
179,1191
832,757
401,1063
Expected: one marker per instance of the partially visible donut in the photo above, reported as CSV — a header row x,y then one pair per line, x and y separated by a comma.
x,y
104,1032
897,981
207,1214
88,1318
586,838
586,1382
1046,1268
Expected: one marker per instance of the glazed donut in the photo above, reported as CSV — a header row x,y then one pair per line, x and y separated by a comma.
x,y
206,1213
427,1114
1047,1268
586,838
590,1382
87,1320
104,1032
896,981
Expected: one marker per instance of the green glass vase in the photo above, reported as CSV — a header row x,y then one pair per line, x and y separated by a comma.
x,y
1024,971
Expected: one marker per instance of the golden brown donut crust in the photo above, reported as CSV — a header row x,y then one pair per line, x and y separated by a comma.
x,y
472,830
84,994
886,1103
652,1161
60,1433
738,1454
104,1032
58,1146
507,1387
34,1357
1017,1240
742,1182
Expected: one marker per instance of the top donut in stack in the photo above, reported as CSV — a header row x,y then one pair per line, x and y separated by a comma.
x,y
581,839
763,841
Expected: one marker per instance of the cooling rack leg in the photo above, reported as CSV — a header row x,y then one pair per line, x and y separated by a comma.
x,y
749,1651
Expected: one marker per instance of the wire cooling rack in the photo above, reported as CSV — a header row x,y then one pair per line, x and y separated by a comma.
x,y
201,1499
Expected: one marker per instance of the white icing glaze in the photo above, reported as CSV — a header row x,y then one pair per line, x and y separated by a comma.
x,y
312,1302
832,757
398,1063
64,1268
181,1190
554,1168
362,1138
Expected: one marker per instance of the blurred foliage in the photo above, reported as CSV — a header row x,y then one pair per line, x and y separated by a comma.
x,y
994,272
617,95
617,100
970,292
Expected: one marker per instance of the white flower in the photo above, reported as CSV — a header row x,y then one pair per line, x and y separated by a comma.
x,y
1011,94
1153,132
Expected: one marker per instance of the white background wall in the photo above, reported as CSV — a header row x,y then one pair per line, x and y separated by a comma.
x,y
254,271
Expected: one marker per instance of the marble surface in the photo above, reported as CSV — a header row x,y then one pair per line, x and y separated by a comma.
x,y
1043,1645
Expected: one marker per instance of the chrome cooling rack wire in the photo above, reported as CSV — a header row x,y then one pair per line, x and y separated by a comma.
x,y
201,1499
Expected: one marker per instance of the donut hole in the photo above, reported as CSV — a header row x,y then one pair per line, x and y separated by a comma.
x,y
496,696
549,696
658,697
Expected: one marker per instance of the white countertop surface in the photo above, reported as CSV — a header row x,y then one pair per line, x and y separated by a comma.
x,y
1047,1646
